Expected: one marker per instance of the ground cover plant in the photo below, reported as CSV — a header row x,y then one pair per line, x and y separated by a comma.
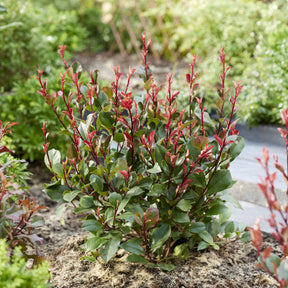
x,y
275,265
146,176
13,271
18,213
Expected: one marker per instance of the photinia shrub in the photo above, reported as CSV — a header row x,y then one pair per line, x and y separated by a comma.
x,y
18,213
276,266
147,177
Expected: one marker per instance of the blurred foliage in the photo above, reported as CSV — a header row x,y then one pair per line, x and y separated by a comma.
x,y
266,86
29,37
89,15
25,106
208,26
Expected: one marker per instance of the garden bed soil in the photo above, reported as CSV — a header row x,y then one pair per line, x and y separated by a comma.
x,y
234,265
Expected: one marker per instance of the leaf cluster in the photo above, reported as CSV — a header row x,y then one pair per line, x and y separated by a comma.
x,y
275,265
22,105
13,271
146,176
18,213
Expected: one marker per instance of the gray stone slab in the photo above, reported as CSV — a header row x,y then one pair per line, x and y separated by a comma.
x,y
246,168
247,171
251,212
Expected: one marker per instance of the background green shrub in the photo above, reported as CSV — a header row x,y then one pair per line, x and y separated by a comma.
x,y
207,26
13,272
89,13
266,86
29,37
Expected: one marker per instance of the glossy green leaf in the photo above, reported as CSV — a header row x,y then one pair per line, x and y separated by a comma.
x,y
193,151
58,169
231,199
217,209
133,246
220,181
118,137
157,189
122,164
166,267
97,182
145,182
110,249
197,227
283,271
229,227
92,225
156,169
226,215
180,217
159,153
214,227
55,191
135,191
184,205
207,120
272,259
245,237
94,243
160,236
70,195
198,179
85,125
137,259
87,202
237,147
206,236
77,68
114,197
182,250
202,245
106,119
54,157
122,205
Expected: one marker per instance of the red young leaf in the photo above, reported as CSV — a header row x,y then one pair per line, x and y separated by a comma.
x,y
151,217
256,235
151,138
